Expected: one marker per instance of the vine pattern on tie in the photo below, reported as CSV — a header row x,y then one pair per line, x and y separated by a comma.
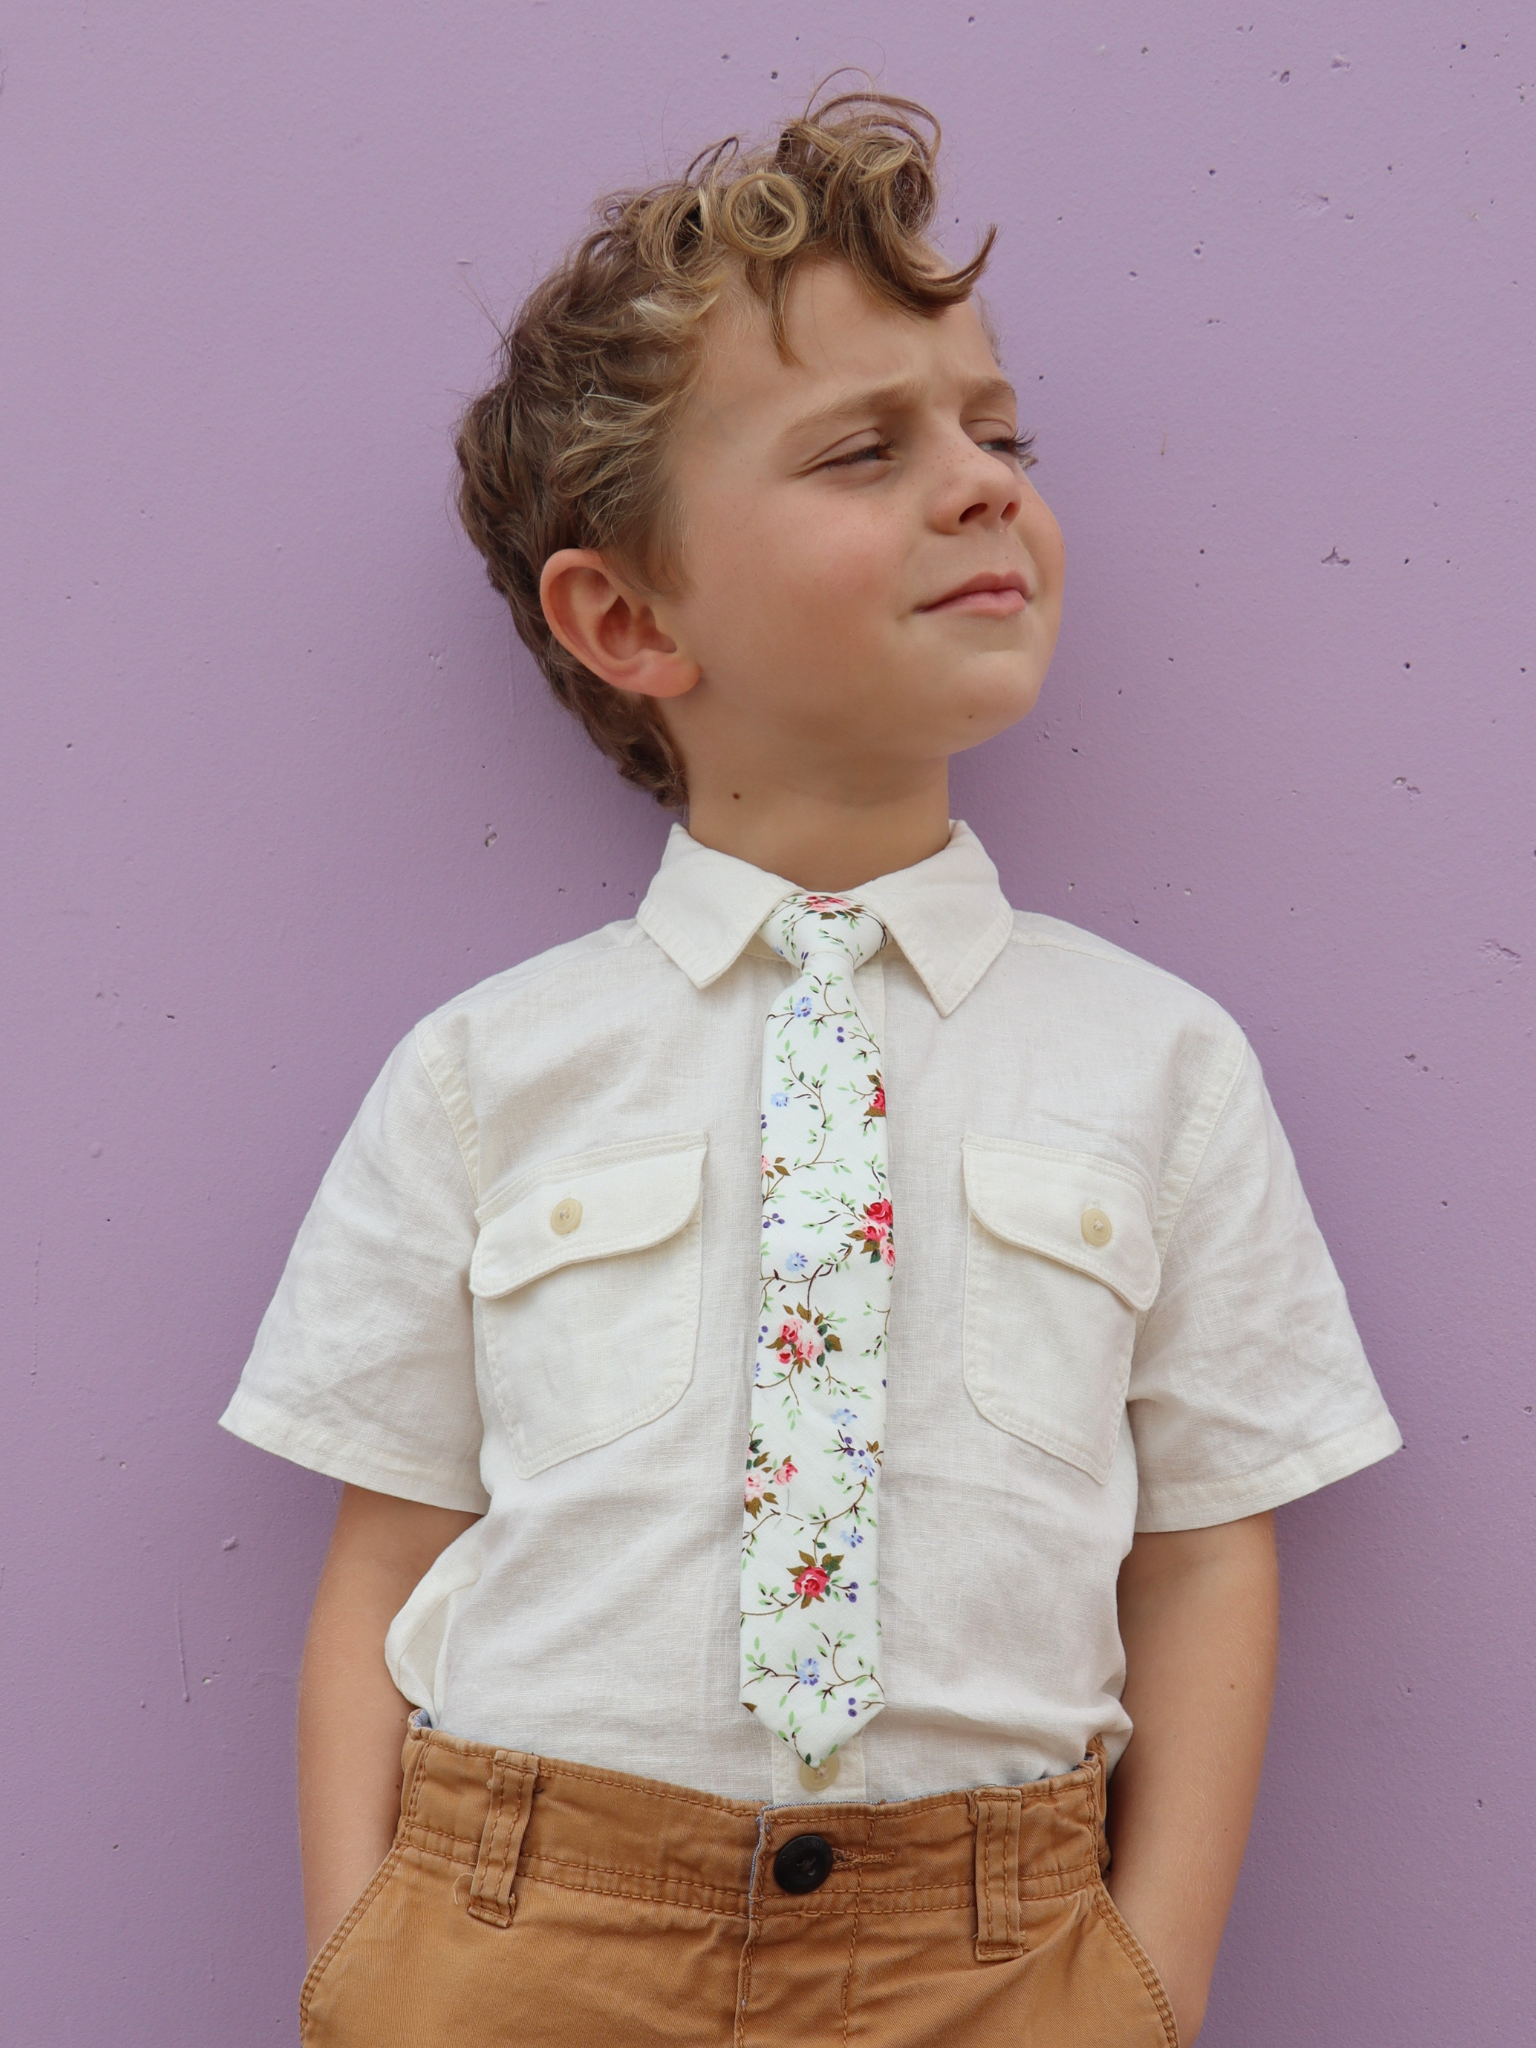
x,y
810,1621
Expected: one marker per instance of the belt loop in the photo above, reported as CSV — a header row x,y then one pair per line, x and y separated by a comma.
x,y
501,1839
999,1923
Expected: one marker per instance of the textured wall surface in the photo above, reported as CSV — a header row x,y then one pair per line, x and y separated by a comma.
x,y
278,782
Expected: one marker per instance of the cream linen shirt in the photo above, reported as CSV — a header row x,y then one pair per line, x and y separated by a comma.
x,y
529,1286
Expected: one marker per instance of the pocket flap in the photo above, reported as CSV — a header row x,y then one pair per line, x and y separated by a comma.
x,y
1056,1204
592,1205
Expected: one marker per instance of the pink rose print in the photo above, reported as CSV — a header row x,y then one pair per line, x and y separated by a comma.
x,y
876,1103
755,1484
873,1236
785,1473
799,1344
810,1581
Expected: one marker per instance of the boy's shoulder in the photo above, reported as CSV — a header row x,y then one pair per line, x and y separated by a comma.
x,y
1035,928
583,964
571,958
1097,972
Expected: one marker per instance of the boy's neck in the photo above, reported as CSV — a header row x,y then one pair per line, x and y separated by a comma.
x,y
828,845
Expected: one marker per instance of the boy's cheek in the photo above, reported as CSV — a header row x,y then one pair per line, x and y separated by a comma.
x,y
855,587
1037,527
821,597
819,541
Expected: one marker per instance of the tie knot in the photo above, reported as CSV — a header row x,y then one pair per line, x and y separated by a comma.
x,y
804,926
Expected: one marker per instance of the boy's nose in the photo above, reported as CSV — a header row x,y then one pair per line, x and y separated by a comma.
x,y
985,490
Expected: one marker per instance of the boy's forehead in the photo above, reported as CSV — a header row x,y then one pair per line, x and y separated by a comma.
x,y
842,342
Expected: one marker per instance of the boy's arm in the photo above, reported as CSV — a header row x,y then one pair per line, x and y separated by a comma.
x,y
1199,1617
351,1718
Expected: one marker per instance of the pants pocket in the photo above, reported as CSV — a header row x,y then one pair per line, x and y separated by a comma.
x,y
1138,1959
370,1893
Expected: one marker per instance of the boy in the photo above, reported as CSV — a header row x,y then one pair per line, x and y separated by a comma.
x,y
1021,1335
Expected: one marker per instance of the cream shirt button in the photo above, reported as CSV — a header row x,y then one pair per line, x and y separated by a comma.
x,y
817,1777
1097,1228
566,1216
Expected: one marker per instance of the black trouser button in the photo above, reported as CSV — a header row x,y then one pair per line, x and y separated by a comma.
x,y
803,1864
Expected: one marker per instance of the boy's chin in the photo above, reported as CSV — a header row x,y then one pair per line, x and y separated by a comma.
x,y
979,711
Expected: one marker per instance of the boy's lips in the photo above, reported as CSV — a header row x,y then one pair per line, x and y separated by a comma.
x,y
990,596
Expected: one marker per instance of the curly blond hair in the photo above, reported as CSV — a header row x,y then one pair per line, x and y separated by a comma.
x,y
566,449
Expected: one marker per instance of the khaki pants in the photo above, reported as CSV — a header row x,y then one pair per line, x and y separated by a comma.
x,y
534,1904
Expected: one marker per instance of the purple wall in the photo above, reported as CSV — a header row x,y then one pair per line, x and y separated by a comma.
x,y
281,783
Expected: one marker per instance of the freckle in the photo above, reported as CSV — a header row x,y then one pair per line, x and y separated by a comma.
x,y
736,796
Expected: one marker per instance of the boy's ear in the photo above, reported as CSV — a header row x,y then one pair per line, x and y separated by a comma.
x,y
610,627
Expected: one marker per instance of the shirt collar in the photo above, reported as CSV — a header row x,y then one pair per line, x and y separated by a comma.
x,y
947,914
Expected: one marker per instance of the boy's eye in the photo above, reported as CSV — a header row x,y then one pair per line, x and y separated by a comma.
x,y
876,451
1019,448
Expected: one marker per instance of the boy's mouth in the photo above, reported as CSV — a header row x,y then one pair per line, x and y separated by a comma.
x,y
989,596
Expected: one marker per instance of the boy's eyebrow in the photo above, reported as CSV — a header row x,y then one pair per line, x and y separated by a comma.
x,y
898,395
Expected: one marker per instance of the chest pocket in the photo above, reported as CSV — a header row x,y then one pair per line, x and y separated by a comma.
x,y
1060,1261
586,1277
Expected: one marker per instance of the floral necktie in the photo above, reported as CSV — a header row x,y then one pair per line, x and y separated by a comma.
x,y
810,1616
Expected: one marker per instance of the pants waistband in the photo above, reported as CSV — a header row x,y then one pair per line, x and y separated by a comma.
x,y
504,1816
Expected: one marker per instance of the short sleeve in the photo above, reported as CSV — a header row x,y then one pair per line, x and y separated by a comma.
x,y
364,1365
1249,1386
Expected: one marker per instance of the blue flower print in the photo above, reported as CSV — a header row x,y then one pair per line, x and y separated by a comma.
x,y
802,1006
809,1672
864,1464
855,1538
797,1262
844,1417
779,1100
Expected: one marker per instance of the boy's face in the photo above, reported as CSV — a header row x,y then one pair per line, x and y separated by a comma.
x,y
870,582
